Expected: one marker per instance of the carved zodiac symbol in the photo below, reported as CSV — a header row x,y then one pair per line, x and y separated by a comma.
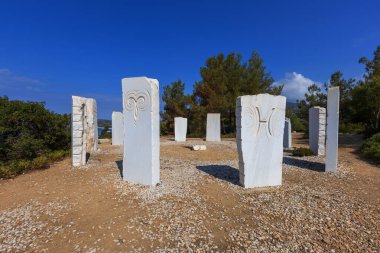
x,y
255,119
136,101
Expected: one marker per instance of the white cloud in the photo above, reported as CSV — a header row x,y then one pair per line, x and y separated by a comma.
x,y
295,85
11,81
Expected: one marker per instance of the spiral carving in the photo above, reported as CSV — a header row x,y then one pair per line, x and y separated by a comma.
x,y
136,101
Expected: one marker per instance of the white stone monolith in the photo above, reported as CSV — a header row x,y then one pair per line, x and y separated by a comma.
x,y
260,121
213,127
180,128
84,133
141,159
117,128
92,123
317,129
287,134
332,130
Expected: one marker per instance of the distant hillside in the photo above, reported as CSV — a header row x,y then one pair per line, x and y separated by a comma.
x,y
104,122
291,105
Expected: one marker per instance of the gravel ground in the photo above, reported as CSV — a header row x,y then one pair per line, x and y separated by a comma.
x,y
200,207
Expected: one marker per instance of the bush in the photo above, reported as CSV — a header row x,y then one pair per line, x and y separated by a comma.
x,y
302,152
230,135
21,166
30,136
371,148
353,128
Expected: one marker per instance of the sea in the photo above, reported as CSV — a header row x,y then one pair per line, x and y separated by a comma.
x,y
100,129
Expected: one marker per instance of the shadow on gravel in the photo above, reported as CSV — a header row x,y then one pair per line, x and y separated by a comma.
x,y
314,166
120,167
223,172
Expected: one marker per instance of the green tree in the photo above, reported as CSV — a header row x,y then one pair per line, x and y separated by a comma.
x,y
224,78
366,95
256,79
176,105
313,97
345,87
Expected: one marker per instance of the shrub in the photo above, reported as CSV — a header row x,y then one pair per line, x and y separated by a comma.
x,y
57,155
230,135
302,152
21,166
371,148
30,136
353,128
6,172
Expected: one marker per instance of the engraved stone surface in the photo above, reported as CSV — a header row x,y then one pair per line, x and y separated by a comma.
x,y
332,130
180,128
287,134
317,129
117,128
141,159
260,121
84,127
213,127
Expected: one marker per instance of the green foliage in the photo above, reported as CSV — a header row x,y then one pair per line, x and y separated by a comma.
x,y
371,148
366,95
224,78
105,134
314,97
176,105
359,109
353,128
29,131
163,128
297,124
14,168
302,152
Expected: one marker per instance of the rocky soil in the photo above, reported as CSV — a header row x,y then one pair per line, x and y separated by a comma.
x,y
198,206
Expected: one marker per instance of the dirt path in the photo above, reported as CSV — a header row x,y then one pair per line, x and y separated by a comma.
x,y
198,206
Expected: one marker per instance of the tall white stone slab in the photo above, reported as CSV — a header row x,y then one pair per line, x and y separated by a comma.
x,y
92,124
84,127
317,129
287,134
213,127
180,128
332,129
260,121
117,128
141,160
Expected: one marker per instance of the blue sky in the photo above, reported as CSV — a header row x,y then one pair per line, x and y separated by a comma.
x,y
50,50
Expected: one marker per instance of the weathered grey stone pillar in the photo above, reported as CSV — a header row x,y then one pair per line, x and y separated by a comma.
x,y
213,127
332,129
117,128
141,160
317,129
180,128
287,134
84,129
260,123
